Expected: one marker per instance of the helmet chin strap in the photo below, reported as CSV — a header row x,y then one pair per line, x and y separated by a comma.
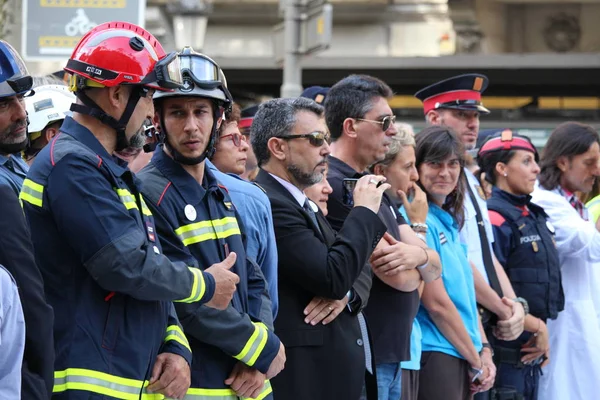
x,y
92,109
210,148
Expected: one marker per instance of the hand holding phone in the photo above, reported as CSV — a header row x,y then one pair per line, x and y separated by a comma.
x,y
366,191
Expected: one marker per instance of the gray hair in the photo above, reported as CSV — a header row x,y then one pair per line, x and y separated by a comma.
x,y
277,117
404,138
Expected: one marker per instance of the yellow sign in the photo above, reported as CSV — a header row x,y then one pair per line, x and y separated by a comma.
x,y
84,3
58,41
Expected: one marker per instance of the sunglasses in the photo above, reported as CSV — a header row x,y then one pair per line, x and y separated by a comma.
x,y
385,123
314,138
236,138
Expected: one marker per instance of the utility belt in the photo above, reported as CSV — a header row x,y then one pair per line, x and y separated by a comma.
x,y
505,394
505,355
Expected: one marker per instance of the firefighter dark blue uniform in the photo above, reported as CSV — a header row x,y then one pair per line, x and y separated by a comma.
x,y
104,273
524,244
198,223
95,242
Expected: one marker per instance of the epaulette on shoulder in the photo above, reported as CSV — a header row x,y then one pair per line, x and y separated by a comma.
x,y
223,187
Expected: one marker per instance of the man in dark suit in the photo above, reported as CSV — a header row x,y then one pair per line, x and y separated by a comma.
x,y
324,361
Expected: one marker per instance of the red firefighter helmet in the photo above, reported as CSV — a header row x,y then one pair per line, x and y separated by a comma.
x,y
116,53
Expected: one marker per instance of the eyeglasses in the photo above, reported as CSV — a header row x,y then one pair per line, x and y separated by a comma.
x,y
315,138
236,138
385,123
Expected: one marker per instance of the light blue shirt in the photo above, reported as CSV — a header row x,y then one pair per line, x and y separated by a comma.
x,y
12,337
443,237
254,208
469,234
13,171
415,335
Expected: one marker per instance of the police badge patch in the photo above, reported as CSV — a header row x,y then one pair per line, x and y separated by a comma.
x,y
480,192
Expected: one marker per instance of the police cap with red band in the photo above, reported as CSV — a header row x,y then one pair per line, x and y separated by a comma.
x,y
506,140
461,92
247,116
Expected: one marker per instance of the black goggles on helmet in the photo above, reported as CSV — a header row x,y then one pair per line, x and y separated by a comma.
x,y
166,73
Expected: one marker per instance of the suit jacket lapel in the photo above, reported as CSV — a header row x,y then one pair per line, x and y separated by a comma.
x,y
328,233
271,186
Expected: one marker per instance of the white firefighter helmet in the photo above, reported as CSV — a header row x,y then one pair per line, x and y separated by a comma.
x,y
50,103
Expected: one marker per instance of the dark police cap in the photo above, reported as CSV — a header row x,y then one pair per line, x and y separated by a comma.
x,y
461,92
316,93
247,116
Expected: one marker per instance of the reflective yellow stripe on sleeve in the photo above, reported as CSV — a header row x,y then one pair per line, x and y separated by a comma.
x,y
102,383
255,345
208,230
198,287
175,333
129,202
224,394
32,193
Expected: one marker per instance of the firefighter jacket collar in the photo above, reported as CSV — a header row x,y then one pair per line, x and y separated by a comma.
x,y
185,184
85,136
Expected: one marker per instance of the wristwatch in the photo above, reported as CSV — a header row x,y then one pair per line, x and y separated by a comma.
x,y
487,346
523,303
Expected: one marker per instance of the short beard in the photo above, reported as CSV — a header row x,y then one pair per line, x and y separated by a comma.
x,y
13,148
136,144
304,179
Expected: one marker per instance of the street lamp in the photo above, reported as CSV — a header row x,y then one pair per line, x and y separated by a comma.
x,y
190,18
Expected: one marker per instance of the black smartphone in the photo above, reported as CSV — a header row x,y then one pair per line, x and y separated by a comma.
x,y
348,185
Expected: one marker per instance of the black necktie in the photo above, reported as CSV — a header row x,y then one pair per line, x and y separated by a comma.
x,y
311,214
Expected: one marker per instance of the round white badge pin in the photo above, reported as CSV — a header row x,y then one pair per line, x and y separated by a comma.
x,y
190,212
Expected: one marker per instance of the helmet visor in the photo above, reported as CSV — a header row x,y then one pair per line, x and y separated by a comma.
x,y
203,71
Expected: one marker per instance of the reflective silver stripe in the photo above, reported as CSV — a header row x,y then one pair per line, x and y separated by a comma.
x,y
32,192
175,333
254,346
126,198
224,394
115,387
208,230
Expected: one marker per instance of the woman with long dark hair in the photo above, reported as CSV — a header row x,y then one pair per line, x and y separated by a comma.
x,y
451,365
525,246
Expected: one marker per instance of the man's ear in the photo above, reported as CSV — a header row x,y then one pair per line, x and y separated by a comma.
x,y
277,148
51,131
563,163
434,117
349,127
378,169
118,96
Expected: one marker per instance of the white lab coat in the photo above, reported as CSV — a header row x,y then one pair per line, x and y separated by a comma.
x,y
574,369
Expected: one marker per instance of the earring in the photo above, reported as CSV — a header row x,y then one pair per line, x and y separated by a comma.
x,y
505,174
